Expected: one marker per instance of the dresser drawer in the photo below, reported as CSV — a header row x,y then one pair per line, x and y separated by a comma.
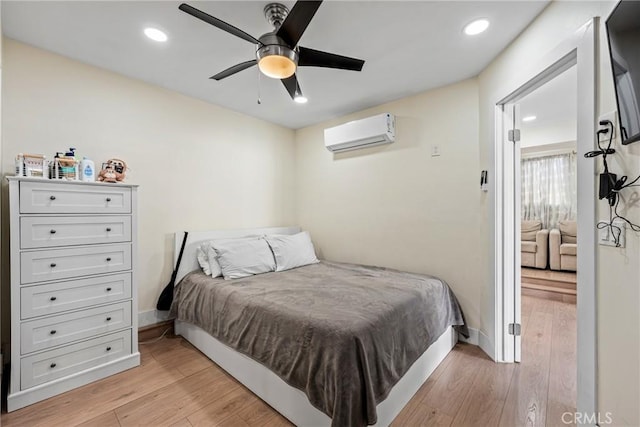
x,y
40,334
36,197
43,231
54,298
39,266
61,362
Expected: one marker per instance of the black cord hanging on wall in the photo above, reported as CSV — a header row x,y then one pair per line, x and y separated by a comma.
x,y
611,186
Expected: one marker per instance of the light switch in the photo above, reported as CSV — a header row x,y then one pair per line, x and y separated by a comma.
x,y
607,235
603,235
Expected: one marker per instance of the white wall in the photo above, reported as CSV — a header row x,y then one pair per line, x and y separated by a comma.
x,y
550,133
199,166
395,205
618,297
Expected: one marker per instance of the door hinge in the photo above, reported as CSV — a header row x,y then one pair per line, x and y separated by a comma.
x,y
514,135
514,329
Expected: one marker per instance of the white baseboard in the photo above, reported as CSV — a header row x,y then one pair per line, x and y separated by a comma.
x,y
477,337
151,317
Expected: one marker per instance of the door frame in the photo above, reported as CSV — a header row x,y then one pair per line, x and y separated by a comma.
x,y
580,50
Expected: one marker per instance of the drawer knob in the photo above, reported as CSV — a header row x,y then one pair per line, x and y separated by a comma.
x,y
108,319
108,259
52,197
52,231
53,264
108,228
108,289
108,199
53,365
53,332
53,298
108,348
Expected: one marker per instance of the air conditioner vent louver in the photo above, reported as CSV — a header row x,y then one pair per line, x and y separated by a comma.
x,y
375,130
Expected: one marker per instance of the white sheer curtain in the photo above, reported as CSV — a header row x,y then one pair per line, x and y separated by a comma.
x,y
549,189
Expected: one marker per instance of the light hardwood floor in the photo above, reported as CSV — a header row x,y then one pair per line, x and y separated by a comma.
x,y
555,285
178,386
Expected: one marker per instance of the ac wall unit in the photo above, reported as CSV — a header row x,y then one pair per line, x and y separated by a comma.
x,y
376,130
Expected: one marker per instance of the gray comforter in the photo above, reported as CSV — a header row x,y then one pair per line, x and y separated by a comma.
x,y
343,334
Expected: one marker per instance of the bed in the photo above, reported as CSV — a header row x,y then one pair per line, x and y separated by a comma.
x,y
351,341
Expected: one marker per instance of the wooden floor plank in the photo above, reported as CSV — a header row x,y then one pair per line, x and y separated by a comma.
x,y
451,388
426,416
169,404
559,276
526,400
108,419
84,403
178,386
223,411
404,415
562,381
184,422
182,356
484,403
258,413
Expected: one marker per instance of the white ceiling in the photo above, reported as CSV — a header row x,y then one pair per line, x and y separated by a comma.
x,y
409,47
555,105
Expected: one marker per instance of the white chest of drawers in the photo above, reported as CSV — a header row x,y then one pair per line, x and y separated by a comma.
x,y
74,316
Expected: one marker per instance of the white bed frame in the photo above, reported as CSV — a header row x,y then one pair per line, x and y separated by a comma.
x,y
289,401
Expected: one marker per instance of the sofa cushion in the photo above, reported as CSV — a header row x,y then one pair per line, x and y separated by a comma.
x,y
568,231
569,249
531,247
528,230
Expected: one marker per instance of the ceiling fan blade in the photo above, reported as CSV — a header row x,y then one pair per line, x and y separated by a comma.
x,y
297,21
217,23
235,69
317,58
292,86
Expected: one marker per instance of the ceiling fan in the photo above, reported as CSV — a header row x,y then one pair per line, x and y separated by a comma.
x,y
277,52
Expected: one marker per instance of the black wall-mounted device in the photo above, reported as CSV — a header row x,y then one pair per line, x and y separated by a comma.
x,y
607,185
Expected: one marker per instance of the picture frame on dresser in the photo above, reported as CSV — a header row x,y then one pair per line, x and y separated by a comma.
x,y
74,311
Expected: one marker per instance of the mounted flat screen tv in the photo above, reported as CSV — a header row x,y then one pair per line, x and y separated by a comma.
x,y
623,29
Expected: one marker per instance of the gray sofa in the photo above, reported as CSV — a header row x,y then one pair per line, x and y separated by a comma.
x,y
563,246
534,244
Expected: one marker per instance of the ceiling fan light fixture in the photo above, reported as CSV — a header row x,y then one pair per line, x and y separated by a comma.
x,y
277,62
300,98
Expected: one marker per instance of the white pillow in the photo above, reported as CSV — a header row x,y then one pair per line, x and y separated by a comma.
x,y
214,266
203,258
243,257
292,251
208,259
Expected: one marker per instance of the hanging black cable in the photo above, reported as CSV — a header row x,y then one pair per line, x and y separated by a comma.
x,y
610,186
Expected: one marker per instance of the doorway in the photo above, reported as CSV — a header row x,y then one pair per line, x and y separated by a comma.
x,y
545,196
579,52
548,191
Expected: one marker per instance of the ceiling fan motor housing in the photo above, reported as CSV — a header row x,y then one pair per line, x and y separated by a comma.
x,y
275,58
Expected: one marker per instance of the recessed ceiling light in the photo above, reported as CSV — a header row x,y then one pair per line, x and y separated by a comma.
x,y
476,27
529,118
155,34
300,99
